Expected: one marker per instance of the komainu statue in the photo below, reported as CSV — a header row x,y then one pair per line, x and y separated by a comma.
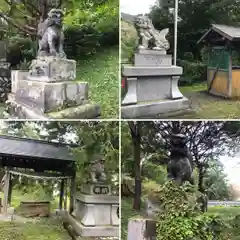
x,y
97,171
180,166
51,35
149,37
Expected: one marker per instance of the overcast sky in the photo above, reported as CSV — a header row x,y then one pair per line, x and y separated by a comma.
x,y
232,168
135,7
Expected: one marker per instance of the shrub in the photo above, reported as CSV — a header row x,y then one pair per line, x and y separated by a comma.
x,y
21,49
181,217
128,41
192,72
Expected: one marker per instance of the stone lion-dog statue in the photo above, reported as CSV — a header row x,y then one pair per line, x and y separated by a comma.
x,y
51,36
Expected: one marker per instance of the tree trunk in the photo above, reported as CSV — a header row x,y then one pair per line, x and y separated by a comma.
x,y
136,140
200,180
44,9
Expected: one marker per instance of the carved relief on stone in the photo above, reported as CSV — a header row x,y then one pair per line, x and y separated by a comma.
x,y
149,37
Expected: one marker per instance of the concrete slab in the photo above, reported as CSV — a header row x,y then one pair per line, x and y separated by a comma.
x,y
152,109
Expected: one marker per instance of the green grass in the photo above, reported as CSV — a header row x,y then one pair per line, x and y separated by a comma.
x,y
225,212
207,106
42,230
101,72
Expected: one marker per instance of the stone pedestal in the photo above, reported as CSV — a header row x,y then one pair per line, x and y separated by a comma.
x,y
152,86
141,229
96,213
48,91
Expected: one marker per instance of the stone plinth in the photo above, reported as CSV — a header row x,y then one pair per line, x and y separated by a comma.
x,y
141,229
46,97
96,213
152,86
52,69
152,58
47,91
17,110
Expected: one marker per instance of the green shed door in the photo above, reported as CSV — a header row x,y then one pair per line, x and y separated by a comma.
x,y
219,54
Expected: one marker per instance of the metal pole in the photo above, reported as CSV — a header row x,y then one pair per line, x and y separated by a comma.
x,y
175,32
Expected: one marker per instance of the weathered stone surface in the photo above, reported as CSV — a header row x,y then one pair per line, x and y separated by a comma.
x,y
17,75
16,110
92,210
135,71
52,69
93,231
151,59
141,229
46,97
34,209
152,109
85,111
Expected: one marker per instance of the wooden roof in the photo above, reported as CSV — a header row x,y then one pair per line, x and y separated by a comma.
x,y
36,154
224,32
26,147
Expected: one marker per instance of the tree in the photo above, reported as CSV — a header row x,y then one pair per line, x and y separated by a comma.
x,y
195,18
216,182
206,140
136,144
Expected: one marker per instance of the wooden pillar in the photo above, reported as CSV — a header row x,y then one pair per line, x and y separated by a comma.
x,y
66,194
72,194
230,72
6,191
10,189
61,195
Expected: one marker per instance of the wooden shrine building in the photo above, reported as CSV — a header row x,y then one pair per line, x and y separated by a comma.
x,y
223,66
37,159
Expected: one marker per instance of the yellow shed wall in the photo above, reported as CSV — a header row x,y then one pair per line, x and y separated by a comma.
x,y
236,83
220,84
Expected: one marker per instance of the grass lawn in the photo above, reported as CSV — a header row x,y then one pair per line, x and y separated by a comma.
x,y
226,212
207,106
41,230
101,72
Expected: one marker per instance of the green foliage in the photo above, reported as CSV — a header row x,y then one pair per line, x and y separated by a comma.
x,y
97,138
216,182
158,173
192,72
181,218
90,26
129,41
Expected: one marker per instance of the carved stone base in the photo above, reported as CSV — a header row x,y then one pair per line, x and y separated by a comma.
x,y
97,210
141,229
92,231
155,108
152,86
52,69
17,110
46,97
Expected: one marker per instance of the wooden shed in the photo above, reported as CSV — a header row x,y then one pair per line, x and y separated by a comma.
x,y
223,65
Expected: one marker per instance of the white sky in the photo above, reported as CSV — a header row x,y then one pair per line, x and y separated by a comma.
x,y
135,7
232,168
